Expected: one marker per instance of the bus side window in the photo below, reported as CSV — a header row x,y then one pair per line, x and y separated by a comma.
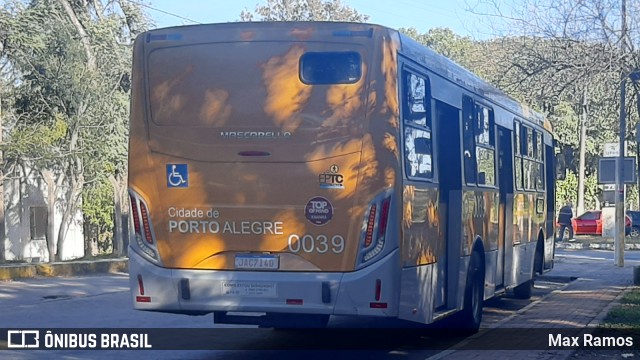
x,y
416,112
517,156
417,101
540,159
468,143
418,152
485,146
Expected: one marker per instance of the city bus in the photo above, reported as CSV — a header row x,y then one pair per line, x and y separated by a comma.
x,y
284,172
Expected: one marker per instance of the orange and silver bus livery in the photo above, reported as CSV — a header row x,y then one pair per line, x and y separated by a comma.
x,y
302,170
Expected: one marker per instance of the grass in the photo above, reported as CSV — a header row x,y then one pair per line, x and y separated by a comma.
x,y
626,315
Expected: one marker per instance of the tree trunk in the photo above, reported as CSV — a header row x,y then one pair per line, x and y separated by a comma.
x,y
84,37
73,197
51,211
117,233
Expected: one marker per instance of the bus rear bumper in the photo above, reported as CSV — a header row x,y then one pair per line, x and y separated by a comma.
x,y
370,291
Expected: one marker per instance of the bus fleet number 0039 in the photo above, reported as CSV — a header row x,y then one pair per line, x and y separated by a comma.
x,y
320,244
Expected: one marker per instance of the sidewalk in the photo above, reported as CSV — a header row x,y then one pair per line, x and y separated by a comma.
x,y
582,304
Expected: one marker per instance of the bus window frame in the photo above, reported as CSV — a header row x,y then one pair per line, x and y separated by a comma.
x,y
530,132
491,146
471,145
518,163
469,162
540,161
410,124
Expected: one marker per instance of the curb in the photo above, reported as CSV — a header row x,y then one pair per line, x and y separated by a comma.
x,y
580,245
72,268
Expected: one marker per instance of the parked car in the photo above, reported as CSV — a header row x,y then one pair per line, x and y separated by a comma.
x,y
635,223
590,223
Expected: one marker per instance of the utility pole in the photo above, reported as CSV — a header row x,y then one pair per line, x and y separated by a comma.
x,y
583,151
618,238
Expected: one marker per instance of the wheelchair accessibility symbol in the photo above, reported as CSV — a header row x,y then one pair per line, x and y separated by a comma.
x,y
177,175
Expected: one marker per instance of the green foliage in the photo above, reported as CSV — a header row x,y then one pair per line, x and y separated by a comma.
x,y
98,213
625,315
567,189
97,206
303,10
631,297
60,113
444,41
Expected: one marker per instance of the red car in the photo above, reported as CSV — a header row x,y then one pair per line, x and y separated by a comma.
x,y
590,223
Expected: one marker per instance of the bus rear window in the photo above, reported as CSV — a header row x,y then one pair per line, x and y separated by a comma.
x,y
318,68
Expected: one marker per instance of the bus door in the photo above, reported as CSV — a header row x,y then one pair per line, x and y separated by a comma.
x,y
505,181
450,201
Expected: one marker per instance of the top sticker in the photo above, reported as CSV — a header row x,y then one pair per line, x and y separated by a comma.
x,y
318,211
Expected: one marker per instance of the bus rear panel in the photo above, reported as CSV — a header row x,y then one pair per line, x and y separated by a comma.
x,y
255,182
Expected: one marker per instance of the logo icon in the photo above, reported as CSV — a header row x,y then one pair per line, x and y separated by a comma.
x,y
177,176
23,339
318,211
331,179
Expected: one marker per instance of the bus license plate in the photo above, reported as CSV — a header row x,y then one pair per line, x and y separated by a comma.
x,y
257,262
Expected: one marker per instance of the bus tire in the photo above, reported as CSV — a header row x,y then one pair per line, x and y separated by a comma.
x,y
468,320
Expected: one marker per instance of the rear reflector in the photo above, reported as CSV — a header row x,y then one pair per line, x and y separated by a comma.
x,y
143,299
141,285
294,301
376,305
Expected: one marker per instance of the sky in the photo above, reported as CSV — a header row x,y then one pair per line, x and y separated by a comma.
x,y
420,14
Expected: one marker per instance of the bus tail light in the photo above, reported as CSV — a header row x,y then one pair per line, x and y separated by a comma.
x,y
135,216
376,229
145,223
143,230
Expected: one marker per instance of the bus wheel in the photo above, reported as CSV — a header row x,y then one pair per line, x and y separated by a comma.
x,y
467,321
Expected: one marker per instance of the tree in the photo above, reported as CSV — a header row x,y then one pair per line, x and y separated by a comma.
x,y
444,41
69,65
303,10
560,53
